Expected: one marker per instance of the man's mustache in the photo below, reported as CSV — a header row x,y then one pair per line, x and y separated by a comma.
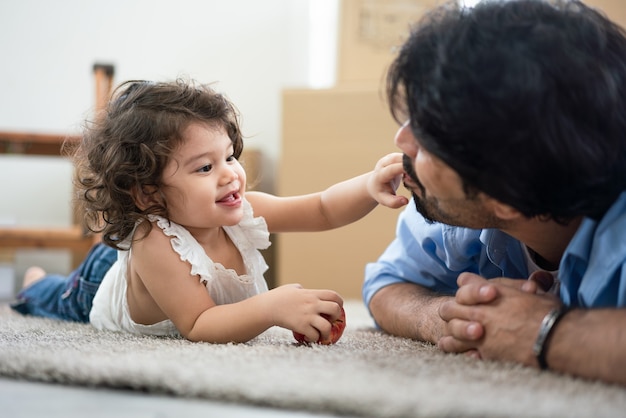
x,y
407,165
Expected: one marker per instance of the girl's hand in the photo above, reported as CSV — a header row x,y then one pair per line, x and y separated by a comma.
x,y
385,180
300,310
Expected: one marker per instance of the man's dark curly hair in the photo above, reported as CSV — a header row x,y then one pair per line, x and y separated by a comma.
x,y
126,149
524,99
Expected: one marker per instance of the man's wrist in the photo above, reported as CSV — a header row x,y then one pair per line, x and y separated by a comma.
x,y
548,324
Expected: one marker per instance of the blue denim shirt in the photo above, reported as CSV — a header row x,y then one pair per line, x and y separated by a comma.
x,y
592,271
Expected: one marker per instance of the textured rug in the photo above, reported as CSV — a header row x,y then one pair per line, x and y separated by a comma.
x,y
367,373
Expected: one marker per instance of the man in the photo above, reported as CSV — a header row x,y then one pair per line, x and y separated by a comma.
x,y
515,153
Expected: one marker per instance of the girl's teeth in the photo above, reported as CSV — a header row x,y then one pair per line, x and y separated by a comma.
x,y
228,198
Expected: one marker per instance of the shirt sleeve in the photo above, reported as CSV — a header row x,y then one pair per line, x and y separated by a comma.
x,y
428,254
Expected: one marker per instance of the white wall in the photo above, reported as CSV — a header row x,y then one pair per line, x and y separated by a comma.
x,y
253,49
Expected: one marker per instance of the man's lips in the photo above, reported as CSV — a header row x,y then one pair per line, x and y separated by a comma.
x,y
408,181
414,188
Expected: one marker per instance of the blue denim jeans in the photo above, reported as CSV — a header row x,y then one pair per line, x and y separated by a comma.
x,y
68,297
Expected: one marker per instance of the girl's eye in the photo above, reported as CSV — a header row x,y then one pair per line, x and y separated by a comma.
x,y
231,158
205,168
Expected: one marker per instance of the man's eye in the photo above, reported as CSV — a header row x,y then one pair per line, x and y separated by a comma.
x,y
205,168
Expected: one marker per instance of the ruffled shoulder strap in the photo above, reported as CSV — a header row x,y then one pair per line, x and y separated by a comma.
x,y
250,235
250,231
186,246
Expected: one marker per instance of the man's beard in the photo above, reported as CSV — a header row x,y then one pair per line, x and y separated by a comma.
x,y
418,201
429,208
422,209
467,213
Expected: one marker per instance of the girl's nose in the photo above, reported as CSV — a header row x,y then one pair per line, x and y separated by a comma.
x,y
228,174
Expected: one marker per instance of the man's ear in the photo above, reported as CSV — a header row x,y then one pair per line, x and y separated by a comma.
x,y
502,210
146,196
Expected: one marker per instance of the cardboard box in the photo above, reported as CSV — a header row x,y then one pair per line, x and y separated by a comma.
x,y
369,32
329,136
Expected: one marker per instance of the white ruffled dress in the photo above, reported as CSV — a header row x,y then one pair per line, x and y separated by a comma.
x,y
110,307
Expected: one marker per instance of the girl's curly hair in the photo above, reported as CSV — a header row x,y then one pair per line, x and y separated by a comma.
x,y
125,149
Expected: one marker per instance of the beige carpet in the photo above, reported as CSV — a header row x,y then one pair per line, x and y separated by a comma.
x,y
367,373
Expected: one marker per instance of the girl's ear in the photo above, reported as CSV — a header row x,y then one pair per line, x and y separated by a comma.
x,y
146,196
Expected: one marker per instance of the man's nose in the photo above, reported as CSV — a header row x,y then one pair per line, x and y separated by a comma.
x,y
405,140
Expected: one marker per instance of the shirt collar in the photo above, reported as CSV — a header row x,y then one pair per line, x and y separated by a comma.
x,y
502,249
609,230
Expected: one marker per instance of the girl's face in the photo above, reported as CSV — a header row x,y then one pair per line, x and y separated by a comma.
x,y
203,182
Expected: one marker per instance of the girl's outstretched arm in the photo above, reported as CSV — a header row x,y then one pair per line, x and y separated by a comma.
x,y
338,205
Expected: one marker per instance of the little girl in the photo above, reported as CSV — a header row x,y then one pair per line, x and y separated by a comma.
x,y
159,178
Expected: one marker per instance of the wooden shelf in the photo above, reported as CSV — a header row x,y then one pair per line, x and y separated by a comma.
x,y
72,238
33,143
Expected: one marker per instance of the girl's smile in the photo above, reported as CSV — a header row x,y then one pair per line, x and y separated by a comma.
x,y
232,199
